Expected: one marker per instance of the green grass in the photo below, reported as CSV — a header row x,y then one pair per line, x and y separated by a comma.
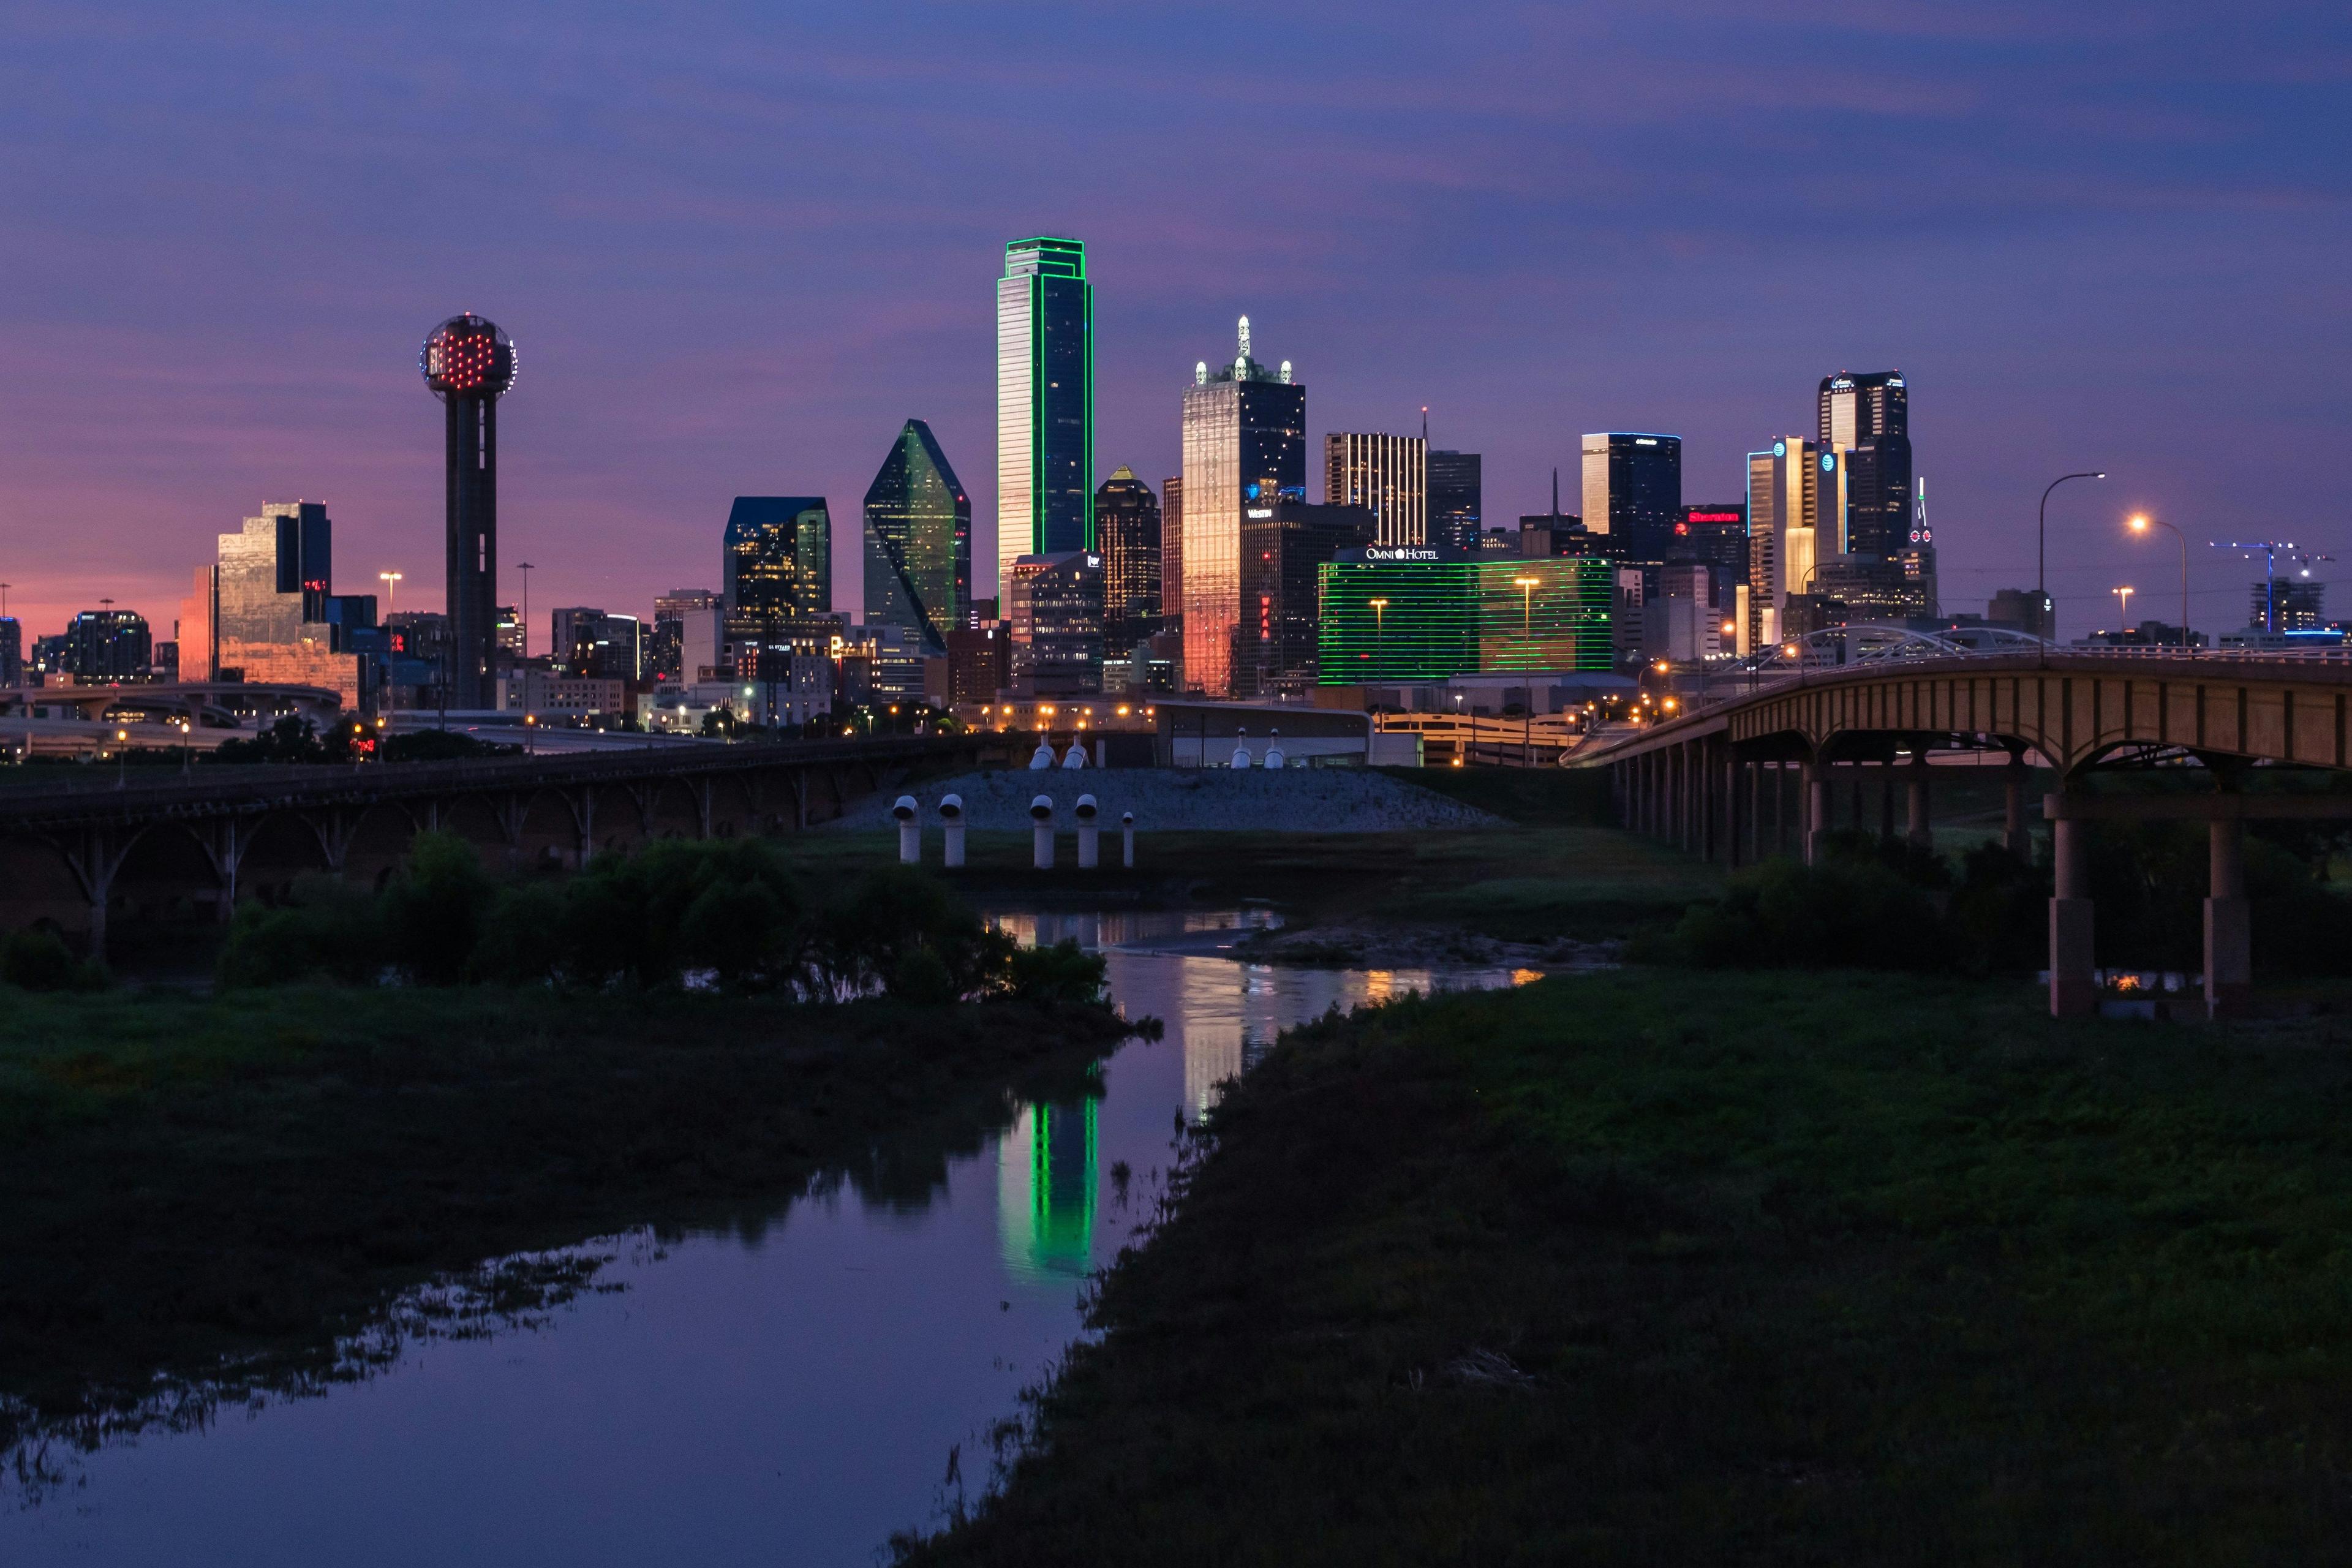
x,y
1517,882
1821,1269
194,1182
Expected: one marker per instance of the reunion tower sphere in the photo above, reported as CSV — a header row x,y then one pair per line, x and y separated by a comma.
x,y
468,356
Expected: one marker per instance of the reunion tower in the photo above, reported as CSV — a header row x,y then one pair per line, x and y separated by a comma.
x,y
469,365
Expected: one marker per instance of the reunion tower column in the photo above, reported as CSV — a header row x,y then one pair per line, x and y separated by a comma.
x,y
469,365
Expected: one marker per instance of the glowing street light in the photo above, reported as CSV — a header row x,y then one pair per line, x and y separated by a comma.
x,y
1528,610
2123,600
391,581
1379,619
2139,523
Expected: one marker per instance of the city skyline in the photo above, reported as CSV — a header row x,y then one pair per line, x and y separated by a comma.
x,y
2076,301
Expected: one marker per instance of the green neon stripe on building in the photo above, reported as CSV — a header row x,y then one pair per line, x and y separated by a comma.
x,y
1462,617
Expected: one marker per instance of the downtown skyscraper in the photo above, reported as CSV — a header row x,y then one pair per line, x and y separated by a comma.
x,y
1866,424
1127,525
917,541
1044,402
1632,486
1388,475
1245,452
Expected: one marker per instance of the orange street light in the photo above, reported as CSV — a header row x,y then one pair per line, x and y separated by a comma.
x,y
2140,522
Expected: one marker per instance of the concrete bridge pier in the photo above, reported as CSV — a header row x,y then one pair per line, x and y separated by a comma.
x,y
2013,825
2229,926
1919,831
2072,994
1817,809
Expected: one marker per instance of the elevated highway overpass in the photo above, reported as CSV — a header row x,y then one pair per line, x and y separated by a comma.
x,y
2233,724
83,851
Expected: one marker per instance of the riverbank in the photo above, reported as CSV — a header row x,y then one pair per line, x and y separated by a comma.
x,y
218,1189
1651,1267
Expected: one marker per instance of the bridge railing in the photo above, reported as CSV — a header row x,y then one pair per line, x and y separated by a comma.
x,y
211,786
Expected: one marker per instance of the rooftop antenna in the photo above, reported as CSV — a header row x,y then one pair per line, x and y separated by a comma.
x,y
1424,425
1555,492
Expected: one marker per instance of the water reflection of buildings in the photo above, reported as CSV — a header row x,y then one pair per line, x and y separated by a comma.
x,y
1048,1188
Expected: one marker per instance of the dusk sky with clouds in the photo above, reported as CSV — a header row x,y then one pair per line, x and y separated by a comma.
x,y
738,244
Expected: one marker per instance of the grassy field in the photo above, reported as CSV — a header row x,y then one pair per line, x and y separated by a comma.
x,y
1552,871
196,1182
1659,1269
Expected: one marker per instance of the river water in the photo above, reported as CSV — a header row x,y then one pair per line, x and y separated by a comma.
x,y
787,1393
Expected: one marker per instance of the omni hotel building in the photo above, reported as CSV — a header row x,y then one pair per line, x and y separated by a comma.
x,y
1417,613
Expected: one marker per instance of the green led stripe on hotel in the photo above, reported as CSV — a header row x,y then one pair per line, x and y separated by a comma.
x,y
1462,617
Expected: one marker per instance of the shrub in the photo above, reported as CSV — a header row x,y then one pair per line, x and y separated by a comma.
x,y
731,910
38,958
1062,973
327,930
1841,913
519,945
433,912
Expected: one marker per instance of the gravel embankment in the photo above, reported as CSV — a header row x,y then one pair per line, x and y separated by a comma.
x,y
1294,799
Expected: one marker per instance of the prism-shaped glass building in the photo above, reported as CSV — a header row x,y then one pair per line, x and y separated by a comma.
x,y
917,541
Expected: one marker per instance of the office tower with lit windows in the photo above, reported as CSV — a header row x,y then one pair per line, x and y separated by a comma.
x,y
687,635
12,651
1171,553
104,646
593,644
1633,493
917,541
776,564
2288,604
1866,422
266,609
1283,554
1784,507
1245,450
1044,402
1455,499
1054,606
468,364
1127,524
1386,475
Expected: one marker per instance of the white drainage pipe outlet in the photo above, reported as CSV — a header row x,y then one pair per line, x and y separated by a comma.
x,y
1041,812
910,831
951,813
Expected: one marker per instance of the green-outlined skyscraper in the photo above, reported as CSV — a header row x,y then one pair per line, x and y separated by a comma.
x,y
1044,402
917,541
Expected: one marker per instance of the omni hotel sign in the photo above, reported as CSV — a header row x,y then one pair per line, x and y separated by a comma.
x,y
1402,552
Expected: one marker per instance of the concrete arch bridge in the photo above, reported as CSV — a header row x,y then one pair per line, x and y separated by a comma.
x,y
83,856
1746,773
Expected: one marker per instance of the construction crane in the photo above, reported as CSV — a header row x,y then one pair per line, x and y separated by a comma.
x,y
2272,549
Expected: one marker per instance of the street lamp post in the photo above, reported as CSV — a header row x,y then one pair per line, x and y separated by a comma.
x,y
2041,537
2123,599
391,581
526,568
2140,523
1526,586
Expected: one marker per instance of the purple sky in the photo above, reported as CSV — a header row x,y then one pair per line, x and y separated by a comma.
x,y
738,243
